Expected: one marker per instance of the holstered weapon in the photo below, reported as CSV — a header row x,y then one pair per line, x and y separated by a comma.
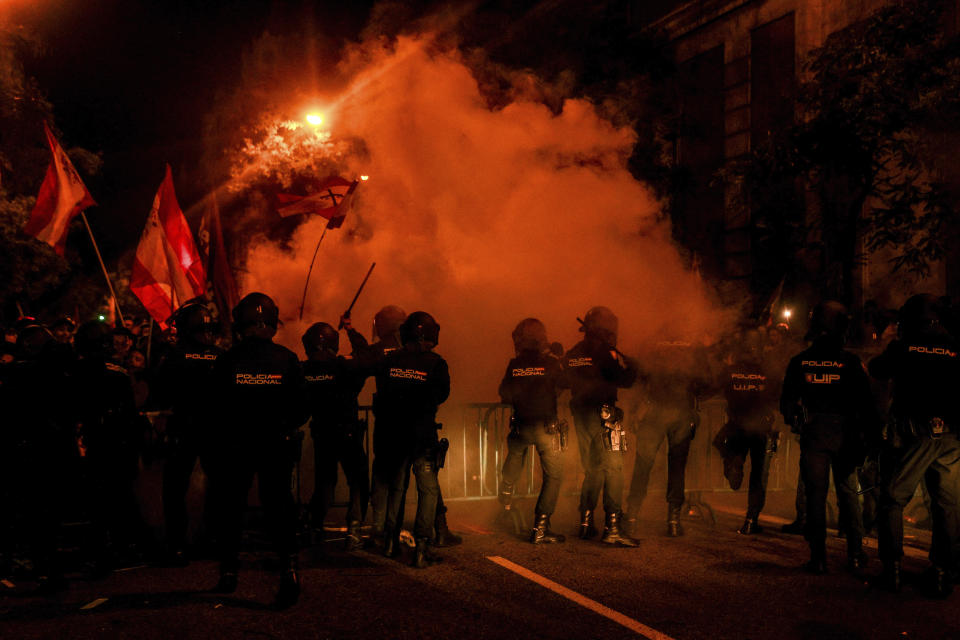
x,y
614,435
561,430
773,442
440,453
798,420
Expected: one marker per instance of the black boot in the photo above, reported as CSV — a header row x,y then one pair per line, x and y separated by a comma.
x,y
289,591
856,558
939,583
445,537
612,535
674,529
353,540
391,546
424,556
541,533
227,582
587,529
818,561
890,577
794,528
750,527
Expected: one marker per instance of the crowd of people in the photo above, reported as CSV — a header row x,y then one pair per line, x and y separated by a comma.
x,y
75,399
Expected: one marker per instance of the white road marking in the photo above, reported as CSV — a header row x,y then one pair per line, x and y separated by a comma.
x,y
582,600
94,603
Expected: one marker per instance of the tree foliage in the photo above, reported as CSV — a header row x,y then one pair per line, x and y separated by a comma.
x,y
875,118
30,271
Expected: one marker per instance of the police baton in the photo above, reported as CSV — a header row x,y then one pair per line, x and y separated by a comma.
x,y
583,327
346,314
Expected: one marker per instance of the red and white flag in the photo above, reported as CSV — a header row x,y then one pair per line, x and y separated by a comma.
x,y
331,200
167,270
62,196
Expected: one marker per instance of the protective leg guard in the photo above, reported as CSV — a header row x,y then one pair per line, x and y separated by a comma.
x,y
612,535
674,529
353,540
587,529
425,557
445,537
541,533
289,591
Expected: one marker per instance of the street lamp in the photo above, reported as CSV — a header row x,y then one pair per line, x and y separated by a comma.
x,y
315,119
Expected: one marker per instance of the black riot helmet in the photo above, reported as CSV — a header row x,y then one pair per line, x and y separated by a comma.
x,y
921,315
420,328
31,339
194,322
91,339
387,321
601,324
828,318
530,335
321,337
256,315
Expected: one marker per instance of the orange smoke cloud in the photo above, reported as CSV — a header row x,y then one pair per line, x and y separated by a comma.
x,y
483,217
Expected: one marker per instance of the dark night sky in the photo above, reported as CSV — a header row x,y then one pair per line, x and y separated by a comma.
x,y
133,79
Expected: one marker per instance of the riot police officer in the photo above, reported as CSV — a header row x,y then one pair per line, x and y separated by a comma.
x,y
595,371
412,382
751,397
386,330
531,384
924,365
674,376
37,435
332,385
826,399
259,389
183,381
103,402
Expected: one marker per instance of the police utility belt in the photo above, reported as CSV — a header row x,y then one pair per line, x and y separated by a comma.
x,y
557,428
933,427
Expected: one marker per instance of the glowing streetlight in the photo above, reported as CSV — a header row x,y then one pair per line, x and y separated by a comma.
x,y
787,313
315,119
364,178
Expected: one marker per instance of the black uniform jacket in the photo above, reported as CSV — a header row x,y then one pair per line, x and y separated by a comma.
x,y
531,384
332,386
411,385
183,384
926,377
827,380
259,391
595,373
751,395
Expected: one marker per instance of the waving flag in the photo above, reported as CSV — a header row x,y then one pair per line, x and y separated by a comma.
x,y
331,200
167,270
62,196
214,253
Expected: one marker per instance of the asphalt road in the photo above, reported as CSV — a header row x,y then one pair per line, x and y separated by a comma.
x,y
712,583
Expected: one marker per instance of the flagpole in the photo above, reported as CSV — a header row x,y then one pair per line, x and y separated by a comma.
x,y
303,300
103,266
